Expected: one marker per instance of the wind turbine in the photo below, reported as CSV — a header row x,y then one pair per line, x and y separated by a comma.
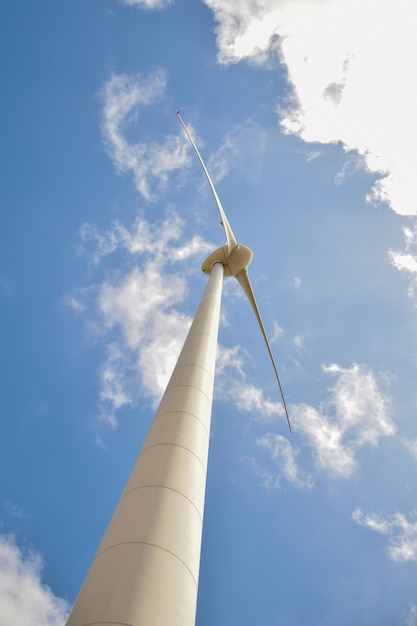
x,y
145,572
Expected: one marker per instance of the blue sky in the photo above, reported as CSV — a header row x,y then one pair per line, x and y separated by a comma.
x,y
304,113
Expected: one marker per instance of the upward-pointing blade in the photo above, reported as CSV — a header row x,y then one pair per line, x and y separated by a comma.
x,y
236,263
230,238
243,279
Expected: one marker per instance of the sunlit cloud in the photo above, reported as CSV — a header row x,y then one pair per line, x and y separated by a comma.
x,y
350,66
232,385
149,163
355,414
141,238
134,309
24,598
252,399
229,360
401,533
140,307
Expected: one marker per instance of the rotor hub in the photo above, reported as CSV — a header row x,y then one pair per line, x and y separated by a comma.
x,y
234,262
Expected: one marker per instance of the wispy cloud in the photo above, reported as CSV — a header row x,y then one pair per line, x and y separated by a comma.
x,y
229,360
139,239
233,386
24,598
113,393
278,331
401,533
252,399
298,342
147,4
406,259
136,307
149,163
411,446
13,510
355,414
285,459
345,65
242,150
410,619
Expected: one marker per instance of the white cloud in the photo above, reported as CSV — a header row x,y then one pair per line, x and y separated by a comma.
x,y
229,359
149,163
326,440
232,385
74,303
312,155
160,352
411,445
298,342
140,307
242,151
402,533
249,398
358,415
354,162
278,331
410,619
351,66
360,406
355,414
24,598
135,308
246,29
113,394
13,510
141,239
285,458
406,260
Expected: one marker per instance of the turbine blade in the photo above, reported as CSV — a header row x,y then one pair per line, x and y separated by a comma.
x,y
230,238
243,279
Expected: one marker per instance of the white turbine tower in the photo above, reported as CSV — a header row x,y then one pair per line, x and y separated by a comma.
x,y
145,572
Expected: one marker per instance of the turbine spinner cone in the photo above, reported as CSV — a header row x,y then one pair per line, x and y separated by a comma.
x,y
234,262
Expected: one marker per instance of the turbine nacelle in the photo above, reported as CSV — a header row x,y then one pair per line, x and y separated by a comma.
x,y
234,262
